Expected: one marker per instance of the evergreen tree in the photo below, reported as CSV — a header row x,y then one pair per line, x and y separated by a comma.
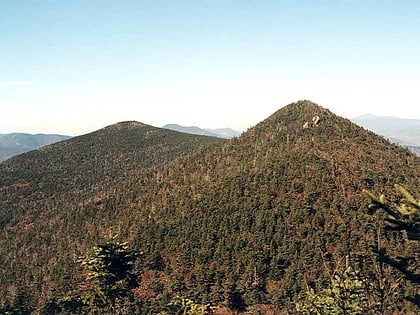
x,y
110,276
233,298
401,216
345,296
22,304
183,306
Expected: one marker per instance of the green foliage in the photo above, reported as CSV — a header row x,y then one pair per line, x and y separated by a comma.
x,y
110,271
401,216
109,279
110,275
183,306
345,296
71,304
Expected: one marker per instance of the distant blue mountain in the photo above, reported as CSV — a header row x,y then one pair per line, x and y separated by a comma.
x,y
12,144
405,132
226,133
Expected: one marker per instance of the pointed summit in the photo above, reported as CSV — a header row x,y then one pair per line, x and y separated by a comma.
x,y
304,135
296,116
303,106
301,121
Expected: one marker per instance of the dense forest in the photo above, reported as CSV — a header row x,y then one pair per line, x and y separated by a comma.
x,y
254,224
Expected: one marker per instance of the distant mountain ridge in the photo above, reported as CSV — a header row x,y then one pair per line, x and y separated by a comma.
x,y
225,133
17,143
403,131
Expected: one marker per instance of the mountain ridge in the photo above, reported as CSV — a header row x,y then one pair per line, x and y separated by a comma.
x,y
259,214
226,133
12,144
403,131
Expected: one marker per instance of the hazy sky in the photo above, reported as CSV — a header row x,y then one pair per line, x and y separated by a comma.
x,y
72,67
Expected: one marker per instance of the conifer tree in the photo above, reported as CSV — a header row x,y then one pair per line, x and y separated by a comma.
x,y
401,216
22,304
183,306
345,296
110,276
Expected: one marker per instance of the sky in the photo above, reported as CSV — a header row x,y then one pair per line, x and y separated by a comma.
x,y
72,67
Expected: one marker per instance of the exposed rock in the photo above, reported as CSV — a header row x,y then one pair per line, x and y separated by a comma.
x,y
315,120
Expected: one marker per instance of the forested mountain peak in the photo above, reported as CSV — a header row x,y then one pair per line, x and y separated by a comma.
x,y
298,110
241,222
131,124
295,117
303,129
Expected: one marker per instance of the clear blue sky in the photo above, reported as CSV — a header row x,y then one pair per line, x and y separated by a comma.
x,y
71,67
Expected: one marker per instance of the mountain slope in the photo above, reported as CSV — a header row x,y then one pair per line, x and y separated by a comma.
x,y
277,199
46,216
18,143
257,217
